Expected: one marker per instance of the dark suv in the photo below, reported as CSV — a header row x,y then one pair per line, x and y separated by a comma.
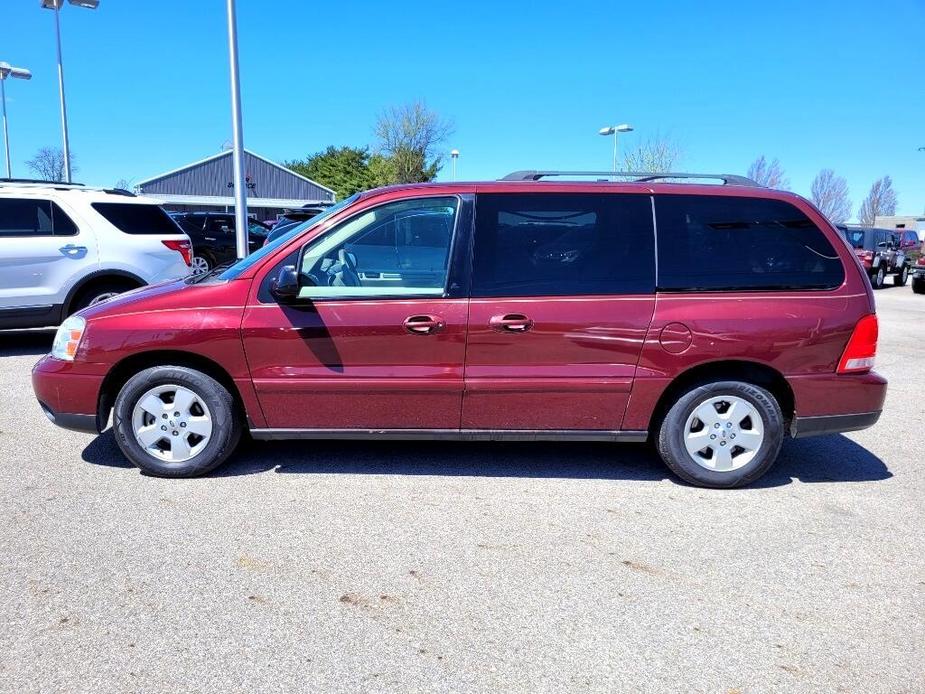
x,y
881,253
713,320
213,237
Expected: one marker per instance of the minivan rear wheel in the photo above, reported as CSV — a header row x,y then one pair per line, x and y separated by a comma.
x,y
173,421
722,435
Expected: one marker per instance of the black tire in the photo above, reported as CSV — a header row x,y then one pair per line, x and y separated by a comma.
x,y
226,421
878,279
918,286
901,277
98,292
671,435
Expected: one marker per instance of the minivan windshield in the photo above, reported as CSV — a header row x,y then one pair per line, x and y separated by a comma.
x,y
235,270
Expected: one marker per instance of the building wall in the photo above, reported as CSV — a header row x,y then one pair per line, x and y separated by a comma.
x,y
901,222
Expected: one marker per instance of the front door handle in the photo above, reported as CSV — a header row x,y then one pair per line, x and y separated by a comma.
x,y
423,325
510,323
72,249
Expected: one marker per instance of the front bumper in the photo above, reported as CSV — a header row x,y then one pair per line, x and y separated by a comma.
x,y
918,272
69,392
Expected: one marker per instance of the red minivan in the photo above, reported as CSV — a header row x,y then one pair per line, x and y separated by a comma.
x,y
710,319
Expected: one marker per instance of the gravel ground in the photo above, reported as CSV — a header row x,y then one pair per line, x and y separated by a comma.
x,y
326,566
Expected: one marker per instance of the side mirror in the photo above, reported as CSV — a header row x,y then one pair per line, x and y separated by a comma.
x,y
285,287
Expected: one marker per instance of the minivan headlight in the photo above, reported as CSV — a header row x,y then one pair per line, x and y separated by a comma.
x,y
67,339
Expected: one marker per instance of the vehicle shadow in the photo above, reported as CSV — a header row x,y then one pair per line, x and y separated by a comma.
x,y
20,343
825,459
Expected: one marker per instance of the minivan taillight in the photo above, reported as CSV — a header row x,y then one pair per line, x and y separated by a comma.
x,y
183,248
862,347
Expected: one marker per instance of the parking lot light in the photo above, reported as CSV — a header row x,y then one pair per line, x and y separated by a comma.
x,y
613,130
454,155
56,6
21,73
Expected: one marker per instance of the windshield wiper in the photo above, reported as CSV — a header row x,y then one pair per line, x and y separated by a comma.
x,y
196,279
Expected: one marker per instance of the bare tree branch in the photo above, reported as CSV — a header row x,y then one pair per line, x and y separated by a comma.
x,y
769,174
830,194
48,164
880,201
410,136
658,154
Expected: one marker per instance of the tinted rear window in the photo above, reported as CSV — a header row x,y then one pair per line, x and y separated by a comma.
x,y
712,243
137,219
563,244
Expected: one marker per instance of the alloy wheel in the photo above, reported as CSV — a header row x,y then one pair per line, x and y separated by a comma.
x,y
200,265
723,433
171,423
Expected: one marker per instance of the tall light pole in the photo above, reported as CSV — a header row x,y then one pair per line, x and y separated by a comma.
x,y
7,70
237,136
56,6
454,155
613,130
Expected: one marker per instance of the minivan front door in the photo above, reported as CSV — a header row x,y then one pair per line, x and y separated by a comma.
x,y
563,291
358,351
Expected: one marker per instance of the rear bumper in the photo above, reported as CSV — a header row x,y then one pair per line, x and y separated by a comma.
x,y
832,403
69,392
801,427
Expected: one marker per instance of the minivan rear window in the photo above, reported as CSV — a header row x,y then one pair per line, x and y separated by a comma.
x,y
138,218
725,243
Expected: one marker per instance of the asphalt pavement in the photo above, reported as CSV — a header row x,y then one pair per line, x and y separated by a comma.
x,y
436,567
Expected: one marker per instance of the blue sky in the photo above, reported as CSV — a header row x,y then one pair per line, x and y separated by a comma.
x,y
528,84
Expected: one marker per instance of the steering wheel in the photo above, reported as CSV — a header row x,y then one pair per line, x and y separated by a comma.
x,y
344,272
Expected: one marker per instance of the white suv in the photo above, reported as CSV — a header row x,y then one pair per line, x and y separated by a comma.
x,y
64,247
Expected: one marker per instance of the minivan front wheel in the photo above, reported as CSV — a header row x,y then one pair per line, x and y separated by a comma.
x,y
172,421
724,434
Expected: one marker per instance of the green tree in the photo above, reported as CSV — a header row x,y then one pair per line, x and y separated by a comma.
x,y
345,170
410,136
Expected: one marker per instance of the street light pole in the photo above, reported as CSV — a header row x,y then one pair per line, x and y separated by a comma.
x,y
7,70
613,130
454,155
67,145
56,6
237,136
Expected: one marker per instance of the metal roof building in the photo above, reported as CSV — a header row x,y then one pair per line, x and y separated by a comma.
x,y
208,185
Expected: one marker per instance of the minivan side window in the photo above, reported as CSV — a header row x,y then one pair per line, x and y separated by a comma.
x,y
552,244
400,248
725,243
31,217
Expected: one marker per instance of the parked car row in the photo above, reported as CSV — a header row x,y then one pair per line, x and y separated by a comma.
x,y
883,252
214,238
65,247
520,309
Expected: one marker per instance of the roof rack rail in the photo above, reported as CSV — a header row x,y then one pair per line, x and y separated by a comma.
x,y
638,176
38,182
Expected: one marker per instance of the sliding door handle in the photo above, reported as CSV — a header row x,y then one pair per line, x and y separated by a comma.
x,y
423,325
510,323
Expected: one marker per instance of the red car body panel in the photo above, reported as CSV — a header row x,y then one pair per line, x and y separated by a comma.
x,y
579,350
586,363
352,364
